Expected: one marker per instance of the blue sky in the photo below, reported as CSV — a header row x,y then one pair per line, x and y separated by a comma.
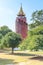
x,y
10,8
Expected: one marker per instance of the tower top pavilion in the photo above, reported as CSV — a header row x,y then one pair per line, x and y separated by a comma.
x,y
21,12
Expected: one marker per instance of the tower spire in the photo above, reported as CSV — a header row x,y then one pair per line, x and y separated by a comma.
x,y
21,12
21,4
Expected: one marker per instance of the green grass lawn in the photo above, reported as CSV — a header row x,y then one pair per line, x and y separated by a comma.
x,y
34,58
5,61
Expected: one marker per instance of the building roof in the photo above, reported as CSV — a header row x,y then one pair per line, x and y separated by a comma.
x,y
21,12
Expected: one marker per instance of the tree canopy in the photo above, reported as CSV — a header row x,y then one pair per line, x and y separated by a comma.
x,y
8,38
4,30
11,40
37,18
34,40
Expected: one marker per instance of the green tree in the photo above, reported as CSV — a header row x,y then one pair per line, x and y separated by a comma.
x,y
37,18
1,36
11,40
34,40
36,31
4,30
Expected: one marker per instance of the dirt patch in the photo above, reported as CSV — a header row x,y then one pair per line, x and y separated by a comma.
x,y
37,58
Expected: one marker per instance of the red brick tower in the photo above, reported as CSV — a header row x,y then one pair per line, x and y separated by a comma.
x,y
21,25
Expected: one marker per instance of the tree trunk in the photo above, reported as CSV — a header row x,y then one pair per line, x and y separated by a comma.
x,y
12,50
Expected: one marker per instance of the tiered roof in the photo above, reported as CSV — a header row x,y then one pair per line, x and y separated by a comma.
x,y
21,12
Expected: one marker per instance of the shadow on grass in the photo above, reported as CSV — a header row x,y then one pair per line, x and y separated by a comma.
x,y
40,58
6,61
3,51
23,54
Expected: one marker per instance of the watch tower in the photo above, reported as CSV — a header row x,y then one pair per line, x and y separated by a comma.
x,y
21,24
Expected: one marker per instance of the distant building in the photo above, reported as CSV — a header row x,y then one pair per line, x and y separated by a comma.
x,y
21,24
